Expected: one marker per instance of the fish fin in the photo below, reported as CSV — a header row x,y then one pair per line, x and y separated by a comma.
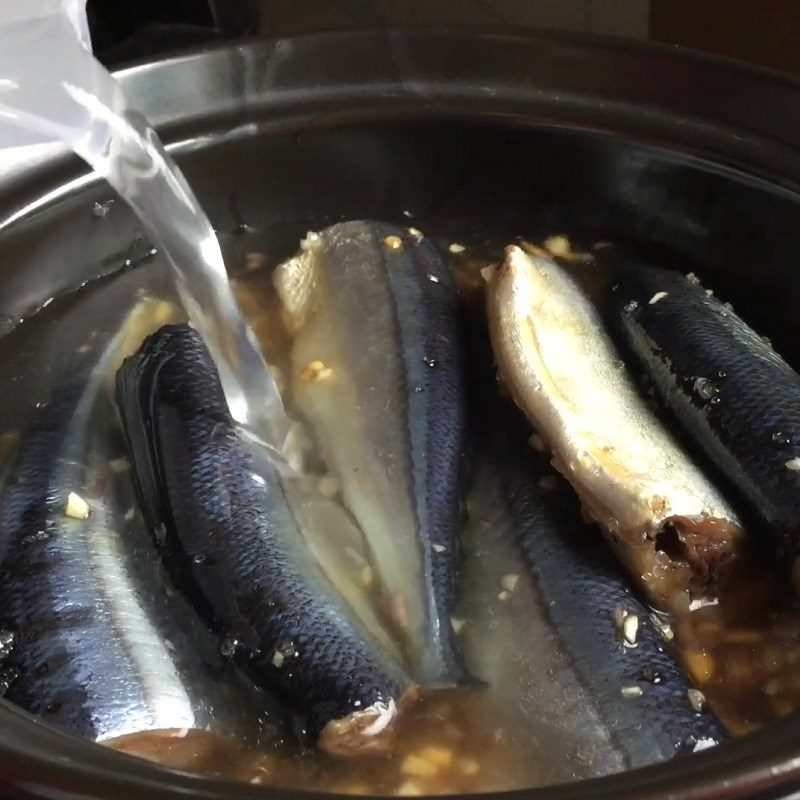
x,y
295,283
146,476
337,545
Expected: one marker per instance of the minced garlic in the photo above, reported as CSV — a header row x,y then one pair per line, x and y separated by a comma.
x,y
393,243
76,507
316,371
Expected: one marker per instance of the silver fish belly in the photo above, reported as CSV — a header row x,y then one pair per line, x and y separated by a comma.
x,y
667,522
377,375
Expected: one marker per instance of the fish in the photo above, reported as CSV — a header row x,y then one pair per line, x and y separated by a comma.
x,y
632,700
671,527
235,548
593,669
726,387
377,376
93,636
638,690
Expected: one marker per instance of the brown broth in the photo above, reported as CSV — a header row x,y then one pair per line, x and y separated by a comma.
x,y
744,651
529,722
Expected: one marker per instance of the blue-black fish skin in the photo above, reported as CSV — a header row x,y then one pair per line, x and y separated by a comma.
x,y
102,646
436,400
584,585
232,540
730,391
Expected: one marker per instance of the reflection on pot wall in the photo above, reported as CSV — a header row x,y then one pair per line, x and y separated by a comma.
x,y
628,18
763,32
770,37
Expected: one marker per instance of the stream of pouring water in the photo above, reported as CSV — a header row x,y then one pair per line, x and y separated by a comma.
x,y
52,88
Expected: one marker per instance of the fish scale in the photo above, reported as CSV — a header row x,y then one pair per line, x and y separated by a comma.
x,y
436,406
389,416
257,582
579,577
445,463
745,410
103,648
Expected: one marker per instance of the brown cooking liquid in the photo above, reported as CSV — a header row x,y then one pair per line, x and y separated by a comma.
x,y
525,727
445,743
743,652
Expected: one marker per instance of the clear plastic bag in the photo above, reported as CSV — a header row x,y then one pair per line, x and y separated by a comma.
x,y
46,71
53,89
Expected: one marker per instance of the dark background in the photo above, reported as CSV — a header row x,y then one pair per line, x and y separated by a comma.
x,y
763,32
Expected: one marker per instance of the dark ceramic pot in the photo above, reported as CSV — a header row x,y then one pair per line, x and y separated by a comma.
x,y
497,132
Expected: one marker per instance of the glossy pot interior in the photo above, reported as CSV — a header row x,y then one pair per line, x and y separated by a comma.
x,y
475,134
